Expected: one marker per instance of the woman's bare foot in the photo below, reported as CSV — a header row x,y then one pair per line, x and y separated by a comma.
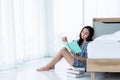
x,y
45,68
53,67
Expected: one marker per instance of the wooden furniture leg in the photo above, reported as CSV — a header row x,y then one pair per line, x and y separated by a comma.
x,y
92,75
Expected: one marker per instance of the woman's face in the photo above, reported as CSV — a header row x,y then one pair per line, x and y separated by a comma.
x,y
84,33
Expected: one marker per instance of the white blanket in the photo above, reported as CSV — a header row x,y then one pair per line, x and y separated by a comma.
x,y
114,36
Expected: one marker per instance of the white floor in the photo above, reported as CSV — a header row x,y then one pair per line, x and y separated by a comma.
x,y
28,72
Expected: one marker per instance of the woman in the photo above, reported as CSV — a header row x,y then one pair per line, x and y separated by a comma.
x,y
85,36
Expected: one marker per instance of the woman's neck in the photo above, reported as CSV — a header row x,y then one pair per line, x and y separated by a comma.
x,y
84,41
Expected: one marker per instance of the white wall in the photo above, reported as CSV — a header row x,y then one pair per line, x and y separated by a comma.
x,y
101,9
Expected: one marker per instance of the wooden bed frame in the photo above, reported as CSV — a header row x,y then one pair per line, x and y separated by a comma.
x,y
103,64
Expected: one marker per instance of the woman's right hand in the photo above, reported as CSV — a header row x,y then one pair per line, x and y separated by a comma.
x,y
64,39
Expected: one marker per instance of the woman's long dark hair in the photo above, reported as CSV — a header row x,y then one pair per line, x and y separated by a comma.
x,y
90,36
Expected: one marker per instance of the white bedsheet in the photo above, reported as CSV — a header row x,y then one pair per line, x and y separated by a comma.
x,y
104,49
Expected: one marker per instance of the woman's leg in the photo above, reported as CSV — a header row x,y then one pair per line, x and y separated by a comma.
x,y
62,53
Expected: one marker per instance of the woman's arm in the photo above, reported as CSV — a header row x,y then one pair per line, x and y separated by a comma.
x,y
82,59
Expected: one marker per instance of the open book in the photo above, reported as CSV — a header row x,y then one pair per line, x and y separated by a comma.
x,y
73,46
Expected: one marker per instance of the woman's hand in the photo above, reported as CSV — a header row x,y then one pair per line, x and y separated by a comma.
x,y
73,54
83,59
64,39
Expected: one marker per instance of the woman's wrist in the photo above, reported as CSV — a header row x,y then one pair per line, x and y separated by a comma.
x,y
77,57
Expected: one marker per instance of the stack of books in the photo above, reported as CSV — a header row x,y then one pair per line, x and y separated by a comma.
x,y
76,72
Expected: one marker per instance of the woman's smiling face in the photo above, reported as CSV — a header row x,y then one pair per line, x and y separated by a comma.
x,y
84,33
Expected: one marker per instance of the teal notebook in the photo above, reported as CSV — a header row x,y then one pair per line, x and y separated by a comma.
x,y
73,46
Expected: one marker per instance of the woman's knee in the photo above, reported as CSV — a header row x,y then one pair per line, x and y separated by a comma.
x,y
64,49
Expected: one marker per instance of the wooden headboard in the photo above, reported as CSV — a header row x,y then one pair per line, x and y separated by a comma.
x,y
105,25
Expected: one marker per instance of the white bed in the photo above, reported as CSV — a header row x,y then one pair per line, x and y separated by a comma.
x,y
104,51
105,46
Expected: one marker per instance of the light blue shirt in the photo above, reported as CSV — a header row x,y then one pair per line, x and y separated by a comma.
x,y
78,63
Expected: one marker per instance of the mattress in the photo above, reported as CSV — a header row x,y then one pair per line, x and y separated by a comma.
x,y
104,49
